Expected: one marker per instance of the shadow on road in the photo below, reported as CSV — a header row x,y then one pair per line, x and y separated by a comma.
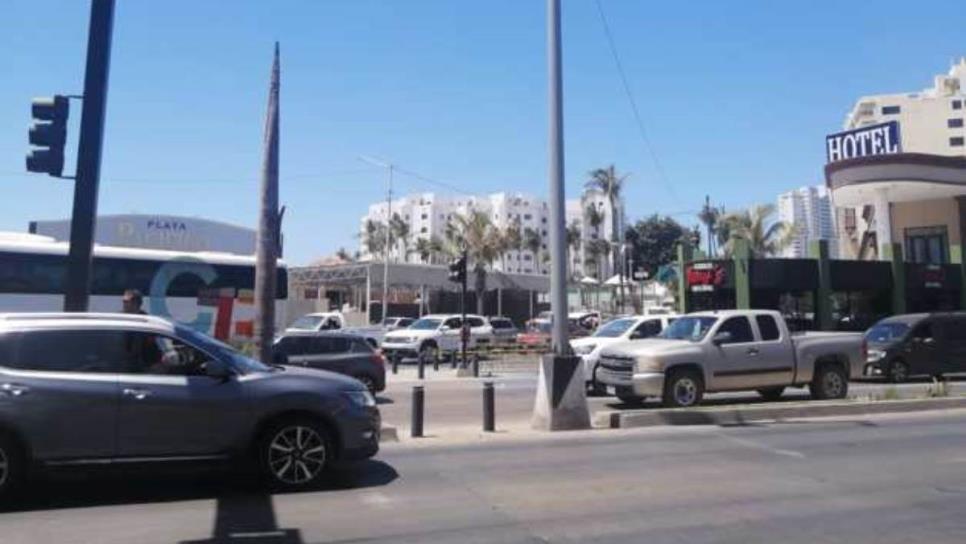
x,y
241,495
384,400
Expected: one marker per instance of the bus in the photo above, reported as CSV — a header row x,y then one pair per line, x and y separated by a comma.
x,y
210,292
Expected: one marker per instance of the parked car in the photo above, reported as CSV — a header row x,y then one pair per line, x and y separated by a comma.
x,y
346,354
396,323
728,351
334,321
917,344
432,334
615,331
78,389
320,321
504,331
539,331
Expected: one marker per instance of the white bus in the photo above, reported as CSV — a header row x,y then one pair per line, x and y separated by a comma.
x,y
209,292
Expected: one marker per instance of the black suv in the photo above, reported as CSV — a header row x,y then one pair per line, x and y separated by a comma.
x,y
100,388
336,352
917,344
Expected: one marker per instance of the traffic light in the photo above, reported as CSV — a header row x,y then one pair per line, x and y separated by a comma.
x,y
457,270
48,134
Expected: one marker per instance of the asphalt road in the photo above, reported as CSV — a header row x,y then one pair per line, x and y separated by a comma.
x,y
458,402
883,480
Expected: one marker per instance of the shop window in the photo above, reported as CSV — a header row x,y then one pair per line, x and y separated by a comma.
x,y
956,141
926,245
890,110
957,104
954,123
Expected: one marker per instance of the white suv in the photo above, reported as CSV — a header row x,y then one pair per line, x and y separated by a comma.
x,y
432,334
621,329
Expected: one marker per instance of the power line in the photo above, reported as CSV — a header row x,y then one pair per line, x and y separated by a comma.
x,y
633,103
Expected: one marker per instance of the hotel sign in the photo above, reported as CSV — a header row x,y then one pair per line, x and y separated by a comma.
x,y
882,139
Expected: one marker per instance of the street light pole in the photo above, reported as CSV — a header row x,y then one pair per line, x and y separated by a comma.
x,y
385,265
561,401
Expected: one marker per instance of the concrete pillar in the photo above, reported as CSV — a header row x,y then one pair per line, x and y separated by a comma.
x,y
499,301
883,222
742,259
956,255
684,259
893,253
818,249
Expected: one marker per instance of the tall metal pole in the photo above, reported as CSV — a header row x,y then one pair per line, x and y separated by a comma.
x,y
84,216
558,239
385,264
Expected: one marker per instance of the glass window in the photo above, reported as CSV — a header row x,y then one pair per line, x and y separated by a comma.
x,y
647,329
475,321
359,345
453,323
404,322
740,329
923,332
425,324
72,351
957,104
890,110
926,245
956,141
306,322
165,356
688,328
886,332
954,123
329,344
953,329
767,327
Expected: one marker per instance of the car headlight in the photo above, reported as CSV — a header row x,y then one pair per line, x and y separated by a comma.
x,y
649,365
875,355
363,398
585,349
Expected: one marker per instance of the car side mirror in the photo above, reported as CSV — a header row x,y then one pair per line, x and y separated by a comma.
x,y
217,370
721,338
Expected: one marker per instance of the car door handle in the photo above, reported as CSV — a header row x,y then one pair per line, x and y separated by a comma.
x,y
139,394
752,351
14,389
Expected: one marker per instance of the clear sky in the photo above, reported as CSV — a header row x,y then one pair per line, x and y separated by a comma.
x,y
736,98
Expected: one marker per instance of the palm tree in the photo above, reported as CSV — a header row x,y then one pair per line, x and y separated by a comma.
x,y
374,237
532,241
513,239
710,217
611,184
424,248
344,254
573,245
764,241
400,231
482,241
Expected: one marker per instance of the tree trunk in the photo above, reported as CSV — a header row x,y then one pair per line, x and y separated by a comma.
x,y
269,236
480,285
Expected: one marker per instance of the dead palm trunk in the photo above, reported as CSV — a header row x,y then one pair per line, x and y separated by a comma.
x,y
269,227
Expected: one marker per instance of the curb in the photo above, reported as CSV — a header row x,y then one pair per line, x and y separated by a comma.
x,y
738,415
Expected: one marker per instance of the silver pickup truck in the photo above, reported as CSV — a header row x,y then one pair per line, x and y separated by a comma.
x,y
731,351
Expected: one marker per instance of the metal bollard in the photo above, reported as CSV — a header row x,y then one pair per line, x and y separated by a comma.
x,y
436,362
452,359
489,412
416,424
395,363
476,365
421,366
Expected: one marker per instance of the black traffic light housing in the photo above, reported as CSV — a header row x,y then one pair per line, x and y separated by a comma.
x,y
457,270
48,134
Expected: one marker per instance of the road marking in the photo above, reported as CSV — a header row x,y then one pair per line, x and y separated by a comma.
x,y
376,499
763,447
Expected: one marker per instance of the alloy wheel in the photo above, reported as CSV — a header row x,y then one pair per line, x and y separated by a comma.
x,y
899,372
685,391
296,454
833,384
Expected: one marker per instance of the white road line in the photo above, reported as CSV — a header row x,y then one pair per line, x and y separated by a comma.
x,y
763,447
375,499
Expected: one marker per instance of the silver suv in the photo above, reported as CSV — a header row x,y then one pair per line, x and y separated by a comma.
x,y
96,388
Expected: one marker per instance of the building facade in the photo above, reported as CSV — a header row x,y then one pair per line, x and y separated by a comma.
x,y
809,210
427,217
894,171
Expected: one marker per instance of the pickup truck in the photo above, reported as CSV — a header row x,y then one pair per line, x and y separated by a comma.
x,y
334,321
731,351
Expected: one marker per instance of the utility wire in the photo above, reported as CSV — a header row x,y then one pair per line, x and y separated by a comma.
x,y
633,103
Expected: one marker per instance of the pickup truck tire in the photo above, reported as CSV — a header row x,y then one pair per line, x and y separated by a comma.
x,y
771,393
12,467
829,382
683,388
898,371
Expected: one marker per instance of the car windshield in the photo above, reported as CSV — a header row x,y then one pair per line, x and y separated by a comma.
x,y
615,328
426,324
207,343
307,322
688,328
540,327
887,332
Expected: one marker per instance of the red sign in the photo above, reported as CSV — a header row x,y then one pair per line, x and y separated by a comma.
x,y
705,276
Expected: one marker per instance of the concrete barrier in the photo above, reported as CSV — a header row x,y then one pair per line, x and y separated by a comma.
x,y
743,414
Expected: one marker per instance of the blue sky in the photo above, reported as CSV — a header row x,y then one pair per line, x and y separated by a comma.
x,y
736,98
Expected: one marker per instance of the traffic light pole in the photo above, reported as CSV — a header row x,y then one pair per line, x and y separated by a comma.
x,y
90,146
463,329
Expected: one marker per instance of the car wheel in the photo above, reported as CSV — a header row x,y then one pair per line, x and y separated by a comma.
x,y
829,382
898,371
295,454
368,382
12,467
771,393
428,353
683,388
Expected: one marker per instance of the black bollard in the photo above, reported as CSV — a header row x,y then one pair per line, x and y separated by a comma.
x,y
489,412
417,420
395,363
452,359
421,366
436,362
476,365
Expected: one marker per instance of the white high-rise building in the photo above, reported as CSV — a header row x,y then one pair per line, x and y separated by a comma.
x,y
929,122
809,210
428,214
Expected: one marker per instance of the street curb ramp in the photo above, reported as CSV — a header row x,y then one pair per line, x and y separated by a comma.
x,y
743,414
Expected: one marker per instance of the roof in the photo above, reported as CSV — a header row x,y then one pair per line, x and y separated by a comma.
x,y
730,313
53,320
330,333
